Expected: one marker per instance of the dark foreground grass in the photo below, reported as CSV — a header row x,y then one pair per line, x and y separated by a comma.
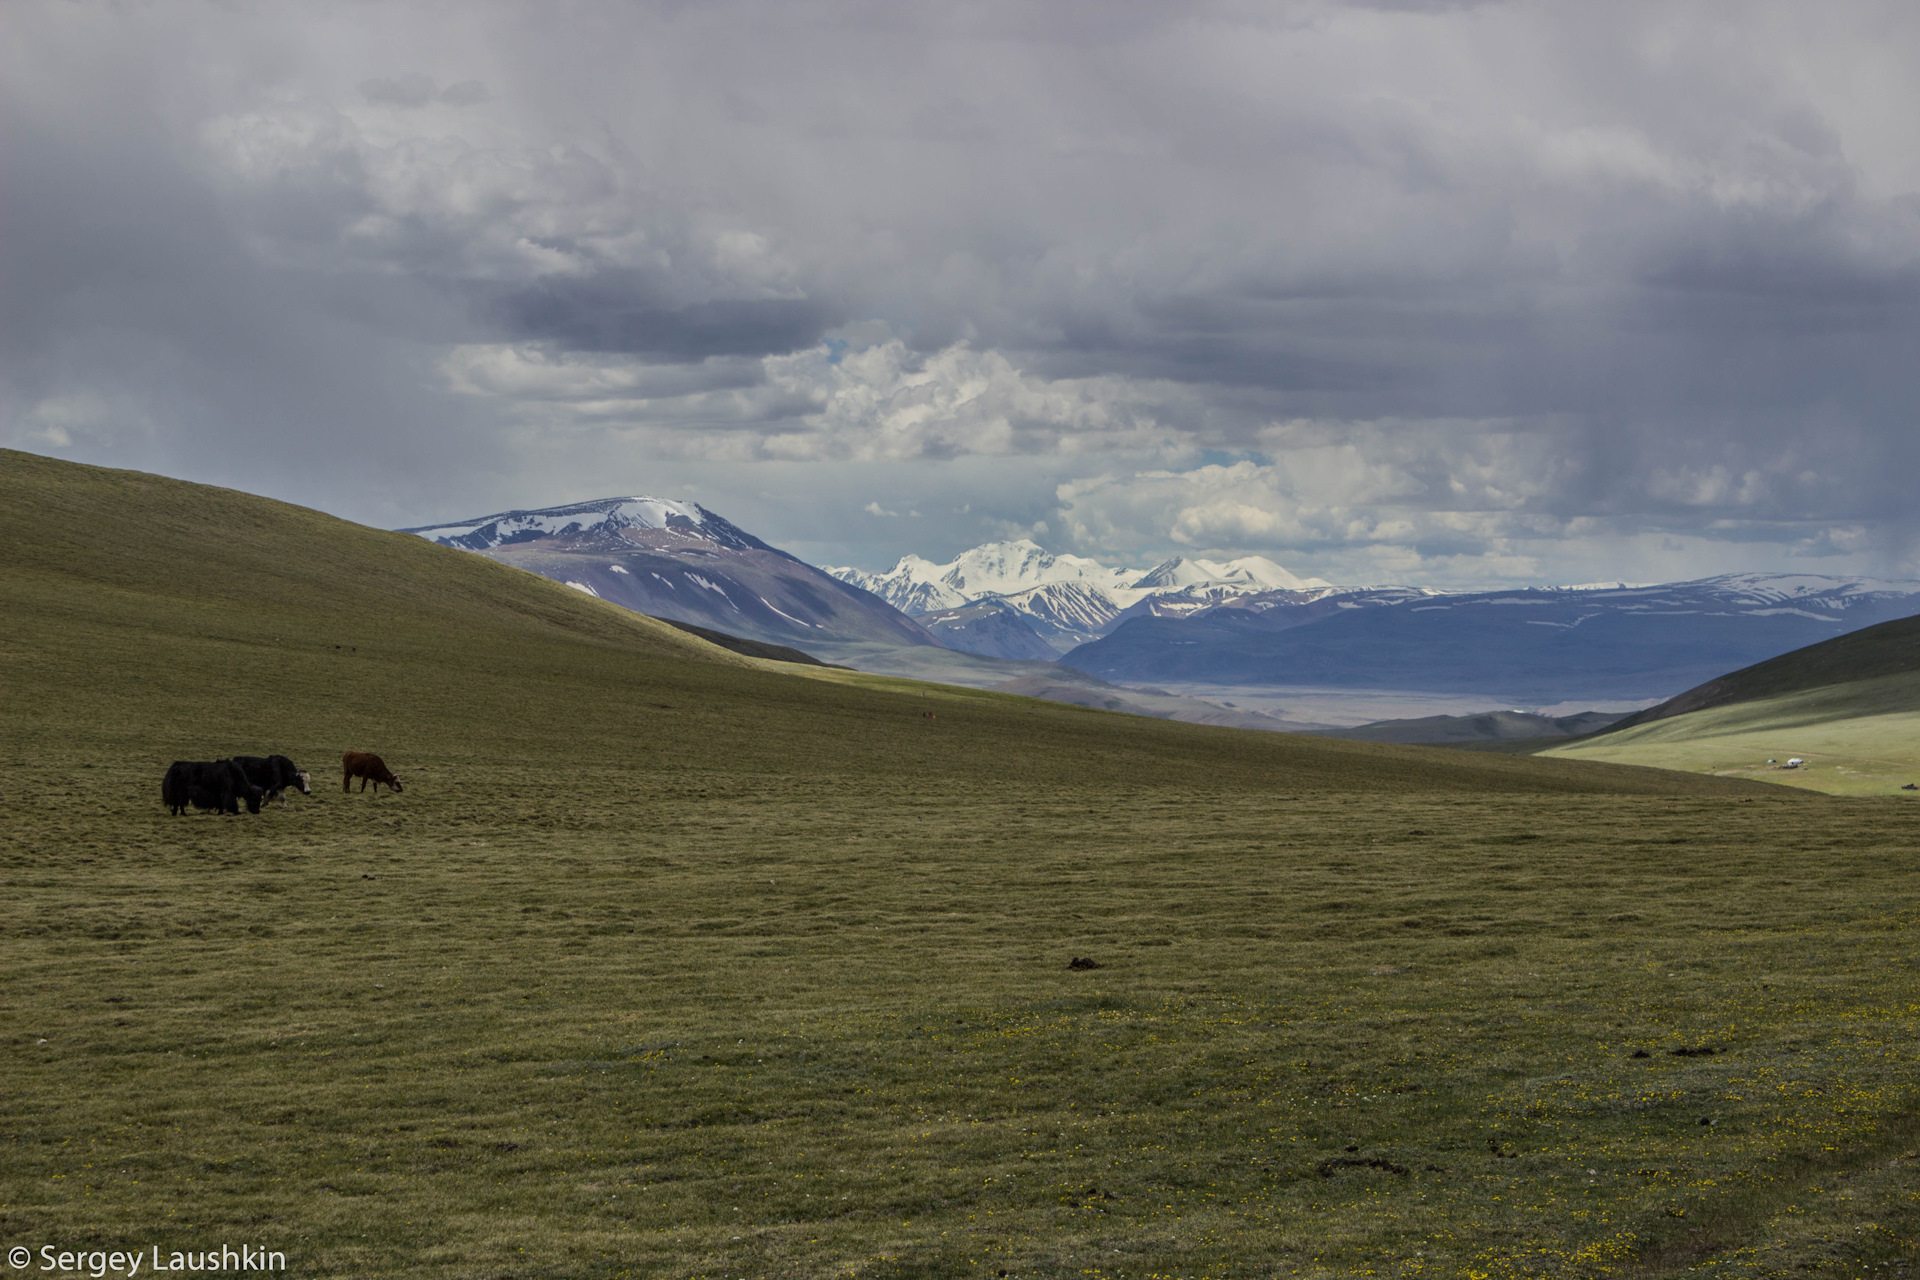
x,y
669,969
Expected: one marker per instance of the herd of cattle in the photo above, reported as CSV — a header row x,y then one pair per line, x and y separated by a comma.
x,y
225,785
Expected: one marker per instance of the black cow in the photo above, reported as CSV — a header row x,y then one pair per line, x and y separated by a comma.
x,y
208,784
273,775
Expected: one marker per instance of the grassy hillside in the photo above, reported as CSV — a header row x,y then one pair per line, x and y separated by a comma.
x,y
673,963
1859,738
1889,649
1850,707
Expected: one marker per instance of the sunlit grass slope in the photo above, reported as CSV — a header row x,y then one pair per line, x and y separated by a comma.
x,y
1849,707
1871,653
1859,738
668,964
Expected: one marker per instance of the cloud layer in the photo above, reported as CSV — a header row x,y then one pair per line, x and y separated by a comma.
x,y
1442,292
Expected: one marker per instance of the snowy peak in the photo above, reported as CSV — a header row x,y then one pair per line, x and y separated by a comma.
x,y
916,585
1253,573
1070,606
1003,568
611,520
911,586
1268,575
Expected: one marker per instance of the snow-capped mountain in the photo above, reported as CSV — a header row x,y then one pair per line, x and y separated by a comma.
x,y
1065,599
1815,595
1250,573
1546,644
915,585
606,520
1061,611
678,560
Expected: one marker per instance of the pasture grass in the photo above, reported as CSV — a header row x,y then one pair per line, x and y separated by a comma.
x,y
671,964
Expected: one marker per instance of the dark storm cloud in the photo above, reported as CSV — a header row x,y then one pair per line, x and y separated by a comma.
x,y
1421,282
136,330
612,311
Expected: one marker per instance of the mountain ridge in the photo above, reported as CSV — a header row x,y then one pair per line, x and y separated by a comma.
x,y
1543,645
682,562
669,516
1887,649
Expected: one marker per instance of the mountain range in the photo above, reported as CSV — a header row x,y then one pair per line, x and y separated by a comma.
x,y
1186,626
1017,600
1545,645
1250,623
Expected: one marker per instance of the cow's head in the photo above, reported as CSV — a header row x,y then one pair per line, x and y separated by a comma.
x,y
395,784
303,780
253,795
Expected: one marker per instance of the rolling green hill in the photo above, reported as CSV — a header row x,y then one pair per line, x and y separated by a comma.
x,y
1849,708
1889,649
1857,738
675,962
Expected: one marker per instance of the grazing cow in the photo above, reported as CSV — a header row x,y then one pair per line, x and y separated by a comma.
x,y
367,767
275,775
208,784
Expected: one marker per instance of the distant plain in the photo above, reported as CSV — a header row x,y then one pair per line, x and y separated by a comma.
x,y
1348,707
671,963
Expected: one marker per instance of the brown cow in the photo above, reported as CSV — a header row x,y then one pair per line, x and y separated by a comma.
x,y
367,767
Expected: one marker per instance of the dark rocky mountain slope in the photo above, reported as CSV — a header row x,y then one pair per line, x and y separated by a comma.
x,y
682,562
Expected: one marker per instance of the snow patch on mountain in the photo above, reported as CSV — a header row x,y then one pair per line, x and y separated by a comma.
x,y
1251,573
602,518
1819,596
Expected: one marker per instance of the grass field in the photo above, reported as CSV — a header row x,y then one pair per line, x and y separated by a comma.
x,y
1861,738
672,964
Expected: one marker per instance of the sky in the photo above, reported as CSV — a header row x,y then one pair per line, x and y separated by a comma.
x,y
1443,293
